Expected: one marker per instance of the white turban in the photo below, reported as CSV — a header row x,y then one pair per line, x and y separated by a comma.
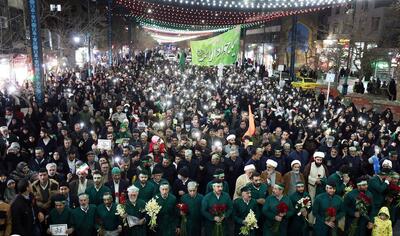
x,y
387,162
272,163
249,167
231,136
295,162
319,154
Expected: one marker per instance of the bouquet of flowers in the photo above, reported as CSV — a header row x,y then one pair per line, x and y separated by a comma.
x,y
303,203
362,204
184,209
348,188
282,209
219,211
121,208
331,216
250,223
152,209
394,193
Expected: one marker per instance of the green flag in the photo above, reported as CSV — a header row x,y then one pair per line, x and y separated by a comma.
x,y
222,49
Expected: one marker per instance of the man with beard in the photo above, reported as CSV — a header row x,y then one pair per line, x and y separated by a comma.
x,y
352,214
329,200
85,216
234,167
180,185
44,189
167,217
134,209
354,162
193,200
270,176
242,207
216,198
219,177
97,191
117,185
377,185
231,143
25,216
291,178
146,188
273,216
298,224
109,222
61,214
316,174
157,179
243,180
333,160
169,170
299,154
341,178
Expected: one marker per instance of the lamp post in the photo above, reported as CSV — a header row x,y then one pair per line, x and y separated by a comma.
x,y
88,37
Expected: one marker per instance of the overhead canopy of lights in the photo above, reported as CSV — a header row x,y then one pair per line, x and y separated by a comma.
x,y
201,16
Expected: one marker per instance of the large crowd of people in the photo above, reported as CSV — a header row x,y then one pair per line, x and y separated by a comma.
x,y
100,152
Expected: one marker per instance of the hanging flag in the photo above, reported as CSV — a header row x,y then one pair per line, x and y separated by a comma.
x,y
252,126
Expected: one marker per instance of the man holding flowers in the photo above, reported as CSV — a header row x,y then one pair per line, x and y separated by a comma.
x,y
277,209
327,210
301,200
216,207
241,209
357,205
193,200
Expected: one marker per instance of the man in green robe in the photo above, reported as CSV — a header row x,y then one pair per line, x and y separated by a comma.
x,y
97,191
193,200
219,175
168,215
276,223
259,192
216,198
146,188
324,224
157,179
135,210
341,178
392,199
377,185
352,213
242,207
110,223
85,217
60,214
298,224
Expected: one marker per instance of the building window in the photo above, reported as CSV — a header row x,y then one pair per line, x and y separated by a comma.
x,y
364,5
375,23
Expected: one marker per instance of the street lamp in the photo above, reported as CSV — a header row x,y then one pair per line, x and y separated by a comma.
x,y
77,39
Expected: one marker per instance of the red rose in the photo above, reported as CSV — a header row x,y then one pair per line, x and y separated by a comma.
x,y
282,208
331,212
305,201
122,199
183,207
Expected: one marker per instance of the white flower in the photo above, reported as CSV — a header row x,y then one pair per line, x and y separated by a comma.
x,y
250,223
152,209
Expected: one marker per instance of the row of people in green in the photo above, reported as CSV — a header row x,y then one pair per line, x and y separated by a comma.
x,y
277,214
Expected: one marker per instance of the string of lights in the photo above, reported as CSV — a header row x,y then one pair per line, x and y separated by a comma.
x,y
180,17
256,4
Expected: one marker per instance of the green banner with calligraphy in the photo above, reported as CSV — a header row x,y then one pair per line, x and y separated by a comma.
x,y
222,49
